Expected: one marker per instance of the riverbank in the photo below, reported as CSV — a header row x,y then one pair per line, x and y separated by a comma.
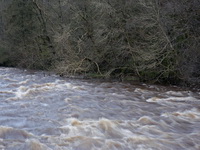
x,y
134,80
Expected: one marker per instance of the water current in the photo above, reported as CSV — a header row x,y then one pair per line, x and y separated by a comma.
x,y
40,112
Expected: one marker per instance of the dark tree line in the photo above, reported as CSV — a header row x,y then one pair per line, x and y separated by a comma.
x,y
155,40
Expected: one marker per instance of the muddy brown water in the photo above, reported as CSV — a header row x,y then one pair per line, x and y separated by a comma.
x,y
40,112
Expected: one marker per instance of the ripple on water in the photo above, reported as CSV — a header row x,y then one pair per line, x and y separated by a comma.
x,y
189,115
8,133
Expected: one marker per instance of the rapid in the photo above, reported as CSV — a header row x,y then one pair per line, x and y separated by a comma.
x,y
47,112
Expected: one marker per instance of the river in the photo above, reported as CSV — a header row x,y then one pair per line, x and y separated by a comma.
x,y
39,112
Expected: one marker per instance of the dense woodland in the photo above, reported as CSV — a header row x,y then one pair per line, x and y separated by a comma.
x,y
149,40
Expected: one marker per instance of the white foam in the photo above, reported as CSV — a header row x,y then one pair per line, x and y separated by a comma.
x,y
174,93
171,99
22,91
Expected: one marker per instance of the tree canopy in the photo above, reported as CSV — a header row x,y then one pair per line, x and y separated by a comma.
x,y
153,40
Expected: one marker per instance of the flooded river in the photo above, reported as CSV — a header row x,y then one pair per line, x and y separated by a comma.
x,y
40,112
